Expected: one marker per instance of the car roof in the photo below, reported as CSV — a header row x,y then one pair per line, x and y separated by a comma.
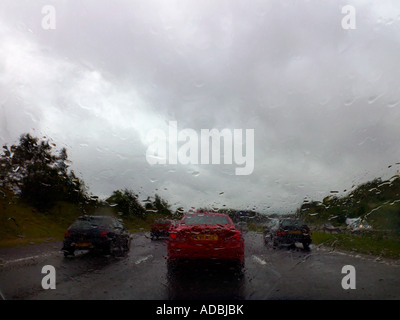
x,y
208,212
85,217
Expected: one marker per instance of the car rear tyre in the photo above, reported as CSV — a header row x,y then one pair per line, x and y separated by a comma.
x,y
239,269
172,267
127,246
306,245
108,249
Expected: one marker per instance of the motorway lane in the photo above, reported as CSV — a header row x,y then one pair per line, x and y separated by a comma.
x,y
284,273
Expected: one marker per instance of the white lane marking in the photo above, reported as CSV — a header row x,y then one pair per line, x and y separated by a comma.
x,y
144,259
263,263
259,260
6,262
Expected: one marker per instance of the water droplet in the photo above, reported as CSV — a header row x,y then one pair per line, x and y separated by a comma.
x,y
372,99
349,102
198,84
393,104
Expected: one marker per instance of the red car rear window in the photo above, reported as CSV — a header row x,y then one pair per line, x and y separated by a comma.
x,y
206,219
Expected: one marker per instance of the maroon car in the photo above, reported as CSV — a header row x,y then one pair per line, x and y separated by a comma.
x,y
160,228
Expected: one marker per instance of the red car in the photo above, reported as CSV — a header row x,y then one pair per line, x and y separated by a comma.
x,y
160,228
206,236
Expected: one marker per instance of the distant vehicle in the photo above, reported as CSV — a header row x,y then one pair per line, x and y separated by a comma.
x,y
288,232
242,226
357,224
272,223
207,237
104,233
160,228
244,214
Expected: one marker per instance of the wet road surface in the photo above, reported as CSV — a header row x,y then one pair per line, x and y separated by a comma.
x,y
282,273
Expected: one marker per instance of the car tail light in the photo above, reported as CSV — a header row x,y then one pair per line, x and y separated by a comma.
x,y
281,233
233,235
103,234
237,236
177,235
67,234
173,235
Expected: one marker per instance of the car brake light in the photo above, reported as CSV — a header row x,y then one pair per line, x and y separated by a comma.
x,y
103,234
172,235
237,236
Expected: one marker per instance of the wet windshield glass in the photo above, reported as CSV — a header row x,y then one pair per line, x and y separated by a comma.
x,y
292,223
206,220
209,132
91,222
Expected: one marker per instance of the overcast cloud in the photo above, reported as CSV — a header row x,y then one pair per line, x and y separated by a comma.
x,y
324,102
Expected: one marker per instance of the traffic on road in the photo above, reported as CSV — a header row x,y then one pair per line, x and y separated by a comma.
x,y
205,256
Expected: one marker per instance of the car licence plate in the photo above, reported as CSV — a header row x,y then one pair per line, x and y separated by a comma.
x,y
295,232
207,237
84,244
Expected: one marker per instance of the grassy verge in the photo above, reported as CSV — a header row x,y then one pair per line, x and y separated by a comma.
x,y
256,227
20,224
387,246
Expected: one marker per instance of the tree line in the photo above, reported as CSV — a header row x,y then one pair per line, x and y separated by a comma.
x,y
39,175
376,200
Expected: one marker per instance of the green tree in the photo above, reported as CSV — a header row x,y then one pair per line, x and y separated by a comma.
x,y
162,206
40,176
126,202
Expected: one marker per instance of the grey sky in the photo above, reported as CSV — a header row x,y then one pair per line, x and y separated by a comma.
x,y
324,102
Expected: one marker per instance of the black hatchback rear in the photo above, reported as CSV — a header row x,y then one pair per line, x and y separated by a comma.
x,y
288,232
104,233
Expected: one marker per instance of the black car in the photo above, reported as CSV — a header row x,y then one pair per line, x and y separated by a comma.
x,y
103,233
288,232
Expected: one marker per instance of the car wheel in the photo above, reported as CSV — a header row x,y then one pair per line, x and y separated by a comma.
x,y
118,248
306,245
127,245
269,241
171,267
109,249
239,269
